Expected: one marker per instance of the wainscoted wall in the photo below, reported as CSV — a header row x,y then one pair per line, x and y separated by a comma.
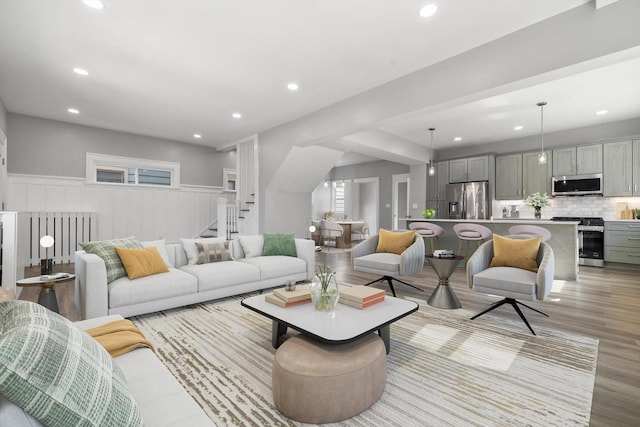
x,y
147,213
579,206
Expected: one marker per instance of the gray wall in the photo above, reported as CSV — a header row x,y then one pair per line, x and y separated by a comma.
x,y
47,147
579,136
384,170
3,117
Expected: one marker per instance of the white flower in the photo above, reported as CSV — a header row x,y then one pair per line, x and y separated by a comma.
x,y
537,200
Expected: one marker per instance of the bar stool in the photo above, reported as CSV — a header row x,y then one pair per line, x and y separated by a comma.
x,y
428,230
531,230
470,232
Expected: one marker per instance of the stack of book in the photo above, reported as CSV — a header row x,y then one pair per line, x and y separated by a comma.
x,y
283,298
443,253
361,296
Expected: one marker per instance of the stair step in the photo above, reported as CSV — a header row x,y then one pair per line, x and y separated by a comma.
x,y
214,229
233,232
245,210
241,217
207,235
252,194
250,203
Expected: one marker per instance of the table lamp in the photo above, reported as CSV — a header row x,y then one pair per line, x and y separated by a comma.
x,y
46,265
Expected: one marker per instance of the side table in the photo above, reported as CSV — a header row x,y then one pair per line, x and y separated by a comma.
x,y
443,296
47,296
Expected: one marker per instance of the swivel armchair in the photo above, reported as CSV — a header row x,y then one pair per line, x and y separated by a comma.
x,y
512,283
389,265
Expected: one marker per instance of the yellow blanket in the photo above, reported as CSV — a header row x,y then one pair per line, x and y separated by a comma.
x,y
119,337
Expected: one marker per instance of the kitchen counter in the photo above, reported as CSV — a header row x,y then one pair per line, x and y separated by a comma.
x,y
564,238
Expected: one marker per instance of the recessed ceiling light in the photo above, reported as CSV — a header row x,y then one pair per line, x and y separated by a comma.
x,y
518,128
457,138
73,110
428,10
94,4
197,136
292,86
601,112
236,115
81,71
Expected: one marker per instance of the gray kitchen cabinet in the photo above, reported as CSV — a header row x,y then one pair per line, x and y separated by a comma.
x,y
581,160
636,167
618,168
509,177
458,170
436,185
622,241
536,177
469,169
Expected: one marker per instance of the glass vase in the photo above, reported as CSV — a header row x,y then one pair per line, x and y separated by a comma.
x,y
325,294
538,213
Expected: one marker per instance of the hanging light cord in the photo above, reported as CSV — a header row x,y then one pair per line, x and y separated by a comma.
x,y
431,158
541,105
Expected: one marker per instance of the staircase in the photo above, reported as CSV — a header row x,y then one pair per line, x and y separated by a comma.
x,y
232,216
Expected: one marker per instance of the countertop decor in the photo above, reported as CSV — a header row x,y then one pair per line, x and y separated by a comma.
x,y
538,201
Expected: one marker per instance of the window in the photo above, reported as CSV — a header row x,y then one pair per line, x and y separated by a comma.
x,y
107,169
339,196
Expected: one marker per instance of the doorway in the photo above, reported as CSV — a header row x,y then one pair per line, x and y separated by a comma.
x,y
400,199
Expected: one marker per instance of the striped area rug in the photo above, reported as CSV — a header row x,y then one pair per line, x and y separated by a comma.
x,y
443,369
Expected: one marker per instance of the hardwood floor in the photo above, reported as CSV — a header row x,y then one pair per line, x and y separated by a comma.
x,y
602,303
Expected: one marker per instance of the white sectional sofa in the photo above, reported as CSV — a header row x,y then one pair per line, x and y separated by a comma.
x,y
187,284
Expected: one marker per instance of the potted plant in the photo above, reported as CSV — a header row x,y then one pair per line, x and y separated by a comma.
x,y
324,289
538,201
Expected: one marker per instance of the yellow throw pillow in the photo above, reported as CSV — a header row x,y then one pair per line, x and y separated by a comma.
x,y
395,242
519,253
142,262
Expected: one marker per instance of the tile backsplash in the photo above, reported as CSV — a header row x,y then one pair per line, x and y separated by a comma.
x,y
578,206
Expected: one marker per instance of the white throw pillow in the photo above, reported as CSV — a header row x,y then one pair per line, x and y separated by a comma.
x,y
191,250
251,245
161,245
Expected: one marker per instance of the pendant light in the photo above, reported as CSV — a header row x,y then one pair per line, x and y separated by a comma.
x,y
432,168
542,156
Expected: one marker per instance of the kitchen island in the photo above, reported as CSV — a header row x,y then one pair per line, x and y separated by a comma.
x,y
564,238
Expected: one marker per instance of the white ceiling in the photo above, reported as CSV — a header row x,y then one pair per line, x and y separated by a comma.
x,y
170,69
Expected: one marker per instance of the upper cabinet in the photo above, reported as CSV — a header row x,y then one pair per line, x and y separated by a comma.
x,y
509,177
436,185
621,175
536,177
585,159
469,169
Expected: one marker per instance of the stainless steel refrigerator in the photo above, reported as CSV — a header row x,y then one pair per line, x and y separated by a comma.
x,y
468,200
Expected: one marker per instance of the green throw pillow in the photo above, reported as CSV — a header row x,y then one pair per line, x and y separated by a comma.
x,y
57,373
279,244
106,249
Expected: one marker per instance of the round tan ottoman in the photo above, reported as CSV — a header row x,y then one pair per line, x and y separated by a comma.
x,y
322,383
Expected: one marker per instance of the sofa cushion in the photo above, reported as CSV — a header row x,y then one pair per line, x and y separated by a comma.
x,y
518,282
59,374
272,267
142,262
124,292
379,261
105,249
162,249
191,250
213,252
279,244
252,246
222,274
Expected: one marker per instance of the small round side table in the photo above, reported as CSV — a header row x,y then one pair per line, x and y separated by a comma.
x,y
47,296
443,296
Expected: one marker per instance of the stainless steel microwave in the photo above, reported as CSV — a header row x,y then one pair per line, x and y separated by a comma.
x,y
577,185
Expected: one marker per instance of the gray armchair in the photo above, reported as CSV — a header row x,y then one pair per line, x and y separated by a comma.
x,y
509,282
365,258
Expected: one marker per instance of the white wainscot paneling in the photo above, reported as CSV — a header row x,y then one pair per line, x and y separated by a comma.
x,y
146,212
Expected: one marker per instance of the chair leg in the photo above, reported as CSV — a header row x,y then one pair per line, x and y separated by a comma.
x,y
431,241
389,280
459,246
393,291
466,252
514,303
408,284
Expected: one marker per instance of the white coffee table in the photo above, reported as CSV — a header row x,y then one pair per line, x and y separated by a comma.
x,y
348,325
